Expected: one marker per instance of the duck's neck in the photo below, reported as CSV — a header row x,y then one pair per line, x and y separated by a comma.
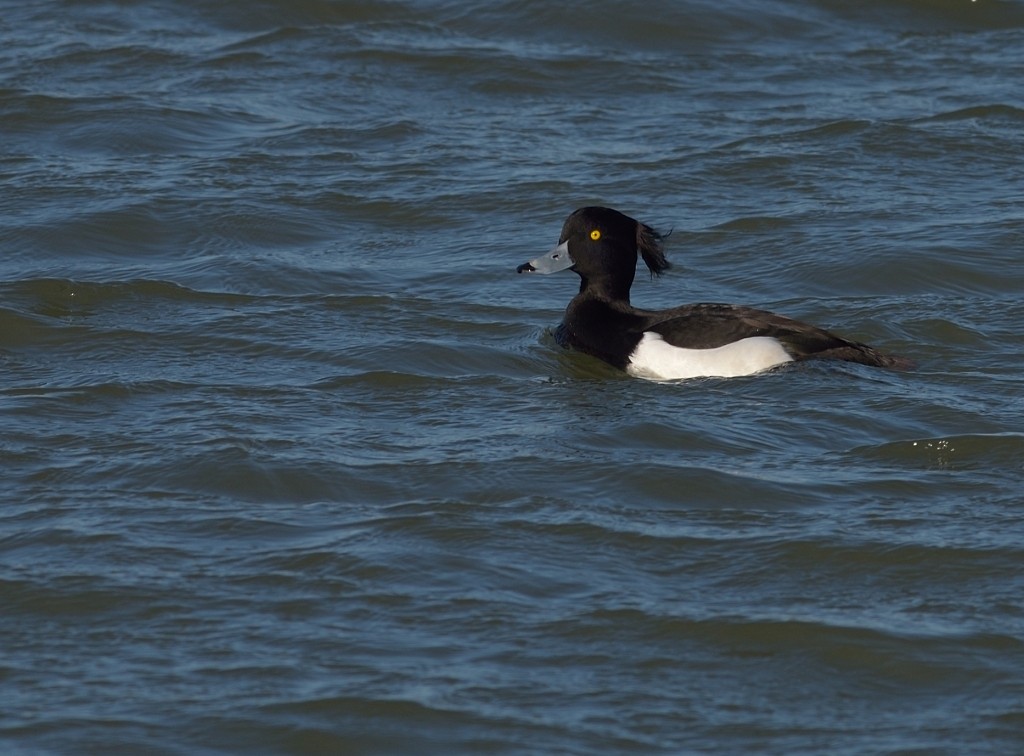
x,y
606,287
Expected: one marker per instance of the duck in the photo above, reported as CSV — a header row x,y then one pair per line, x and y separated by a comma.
x,y
705,340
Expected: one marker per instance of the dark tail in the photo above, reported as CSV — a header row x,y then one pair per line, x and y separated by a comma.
x,y
865,355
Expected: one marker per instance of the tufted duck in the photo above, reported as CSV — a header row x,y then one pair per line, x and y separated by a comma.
x,y
691,341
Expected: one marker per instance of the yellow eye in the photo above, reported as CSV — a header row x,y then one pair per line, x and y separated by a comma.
x,y
595,234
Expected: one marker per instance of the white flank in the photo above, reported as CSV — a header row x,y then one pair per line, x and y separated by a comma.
x,y
658,360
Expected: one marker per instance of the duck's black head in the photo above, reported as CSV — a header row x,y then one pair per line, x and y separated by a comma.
x,y
602,245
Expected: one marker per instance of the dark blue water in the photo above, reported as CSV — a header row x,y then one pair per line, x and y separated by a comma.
x,y
290,461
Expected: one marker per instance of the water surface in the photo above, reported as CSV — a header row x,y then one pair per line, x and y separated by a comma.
x,y
292,463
